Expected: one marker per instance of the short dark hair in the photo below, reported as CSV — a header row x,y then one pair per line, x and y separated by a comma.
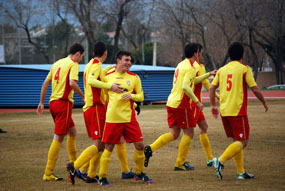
x,y
122,53
190,49
235,51
200,47
99,49
75,48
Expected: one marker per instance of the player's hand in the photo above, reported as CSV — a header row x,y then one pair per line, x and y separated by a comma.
x,y
126,97
116,88
266,107
83,100
40,109
215,111
200,106
212,73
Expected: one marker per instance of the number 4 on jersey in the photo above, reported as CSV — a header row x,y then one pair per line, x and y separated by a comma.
x,y
56,77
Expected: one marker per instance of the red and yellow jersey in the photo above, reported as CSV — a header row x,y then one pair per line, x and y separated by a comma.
x,y
60,74
198,87
118,110
233,80
93,95
184,73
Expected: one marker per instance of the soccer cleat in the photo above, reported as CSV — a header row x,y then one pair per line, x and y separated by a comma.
x,y
81,175
72,172
142,176
104,182
245,175
51,178
92,180
148,154
184,167
128,175
210,163
218,168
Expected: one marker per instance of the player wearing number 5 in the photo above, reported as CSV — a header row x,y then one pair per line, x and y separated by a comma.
x,y
63,76
233,79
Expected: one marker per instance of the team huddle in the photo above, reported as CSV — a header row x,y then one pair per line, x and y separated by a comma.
x,y
110,97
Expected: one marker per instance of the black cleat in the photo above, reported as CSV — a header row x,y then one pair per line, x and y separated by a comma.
x,y
148,154
72,172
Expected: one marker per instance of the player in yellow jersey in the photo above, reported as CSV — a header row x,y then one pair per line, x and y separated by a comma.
x,y
233,80
121,118
63,76
199,117
94,113
180,115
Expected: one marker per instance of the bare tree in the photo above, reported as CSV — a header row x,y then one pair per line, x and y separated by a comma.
x,y
22,13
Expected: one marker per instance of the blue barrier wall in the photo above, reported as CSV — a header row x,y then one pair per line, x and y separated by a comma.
x,y
20,85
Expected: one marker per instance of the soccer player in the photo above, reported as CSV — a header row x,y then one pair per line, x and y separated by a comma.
x,y
233,79
121,118
94,113
199,117
63,76
180,115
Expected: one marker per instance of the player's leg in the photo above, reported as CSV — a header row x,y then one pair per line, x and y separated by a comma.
x,y
104,164
139,158
71,148
203,126
52,158
183,150
122,156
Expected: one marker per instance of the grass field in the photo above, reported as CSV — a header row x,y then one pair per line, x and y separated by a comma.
x,y
24,150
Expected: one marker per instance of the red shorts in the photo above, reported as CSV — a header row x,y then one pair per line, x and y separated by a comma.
x,y
236,127
198,115
182,117
94,118
114,131
61,112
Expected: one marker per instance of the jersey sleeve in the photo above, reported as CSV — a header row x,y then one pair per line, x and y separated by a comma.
x,y
249,78
138,96
215,82
74,70
49,76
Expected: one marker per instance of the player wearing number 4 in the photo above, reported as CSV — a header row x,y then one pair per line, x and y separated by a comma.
x,y
63,76
233,79
180,116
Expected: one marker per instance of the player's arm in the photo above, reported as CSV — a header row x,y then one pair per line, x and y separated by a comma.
x,y
41,105
188,91
92,80
259,96
108,68
207,85
204,76
213,87
73,84
252,84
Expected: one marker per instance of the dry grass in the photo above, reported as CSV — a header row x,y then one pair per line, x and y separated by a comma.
x,y
24,151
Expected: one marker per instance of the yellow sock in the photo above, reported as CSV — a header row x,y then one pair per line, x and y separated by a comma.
x,y
84,167
94,164
122,155
238,159
52,157
85,156
206,146
183,149
104,163
231,151
139,160
71,148
161,141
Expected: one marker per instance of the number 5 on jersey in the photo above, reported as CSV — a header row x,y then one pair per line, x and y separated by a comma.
x,y
229,82
56,77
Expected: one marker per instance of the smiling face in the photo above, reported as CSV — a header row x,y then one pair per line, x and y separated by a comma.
x,y
124,64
